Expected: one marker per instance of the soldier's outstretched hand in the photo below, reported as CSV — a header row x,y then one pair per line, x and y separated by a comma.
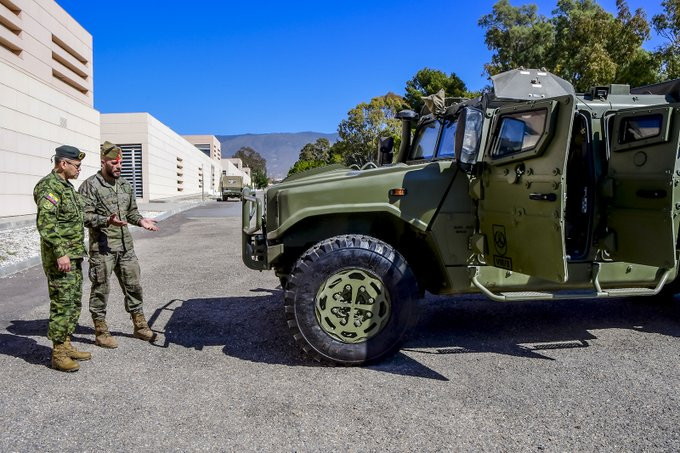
x,y
148,224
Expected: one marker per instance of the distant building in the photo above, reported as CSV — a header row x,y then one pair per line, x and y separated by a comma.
x,y
158,162
208,144
45,97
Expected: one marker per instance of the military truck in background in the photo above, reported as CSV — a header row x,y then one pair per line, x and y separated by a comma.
x,y
530,191
231,187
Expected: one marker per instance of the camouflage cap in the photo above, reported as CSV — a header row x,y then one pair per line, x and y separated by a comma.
x,y
69,152
110,150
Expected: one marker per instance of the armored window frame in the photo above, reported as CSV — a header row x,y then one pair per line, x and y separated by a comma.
x,y
619,143
537,130
550,106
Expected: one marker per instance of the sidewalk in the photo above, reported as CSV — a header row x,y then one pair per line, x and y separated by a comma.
x,y
20,242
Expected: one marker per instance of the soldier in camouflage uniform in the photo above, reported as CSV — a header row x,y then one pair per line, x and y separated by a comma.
x,y
109,206
60,224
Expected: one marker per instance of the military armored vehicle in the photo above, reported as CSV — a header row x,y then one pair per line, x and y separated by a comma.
x,y
231,187
529,192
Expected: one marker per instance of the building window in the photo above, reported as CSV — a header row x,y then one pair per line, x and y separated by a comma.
x,y
132,167
69,66
9,20
180,174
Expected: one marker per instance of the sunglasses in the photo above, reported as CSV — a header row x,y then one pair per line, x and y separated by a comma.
x,y
75,165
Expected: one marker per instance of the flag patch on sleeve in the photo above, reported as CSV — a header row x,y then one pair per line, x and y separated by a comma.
x,y
52,198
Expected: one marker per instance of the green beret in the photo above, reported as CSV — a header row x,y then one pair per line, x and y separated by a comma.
x,y
109,150
69,152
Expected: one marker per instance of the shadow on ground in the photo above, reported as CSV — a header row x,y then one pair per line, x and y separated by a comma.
x,y
19,344
254,328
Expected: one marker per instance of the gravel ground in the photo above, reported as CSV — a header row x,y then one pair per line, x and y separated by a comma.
x,y
18,245
224,374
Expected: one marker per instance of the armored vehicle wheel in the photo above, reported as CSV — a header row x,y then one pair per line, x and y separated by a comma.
x,y
349,299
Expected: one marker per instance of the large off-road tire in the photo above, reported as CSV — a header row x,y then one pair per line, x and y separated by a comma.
x,y
349,299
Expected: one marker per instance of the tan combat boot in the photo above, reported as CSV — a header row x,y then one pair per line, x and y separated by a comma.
x,y
60,359
142,330
102,336
74,353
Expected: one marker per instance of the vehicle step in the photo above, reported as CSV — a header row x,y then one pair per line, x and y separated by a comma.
x,y
596,293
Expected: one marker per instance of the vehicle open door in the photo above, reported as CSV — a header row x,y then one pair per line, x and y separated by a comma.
x,y
642,185
521,208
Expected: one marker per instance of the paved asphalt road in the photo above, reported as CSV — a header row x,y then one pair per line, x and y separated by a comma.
x,y
224,374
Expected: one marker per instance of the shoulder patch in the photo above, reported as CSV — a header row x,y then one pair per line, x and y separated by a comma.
x,y
52,198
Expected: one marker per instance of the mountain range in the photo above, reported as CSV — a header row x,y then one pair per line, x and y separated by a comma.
x,y
280,150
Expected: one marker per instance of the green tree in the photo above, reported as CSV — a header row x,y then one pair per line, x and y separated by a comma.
x,y
592,47
252,159
259,178
582,42
518,36
429,81
364,124
667,25
313,155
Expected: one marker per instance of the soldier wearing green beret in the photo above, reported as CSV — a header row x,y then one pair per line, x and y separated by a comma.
x,y
60,223
109,206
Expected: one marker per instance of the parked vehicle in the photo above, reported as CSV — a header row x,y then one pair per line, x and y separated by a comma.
x,y
529,192
231,187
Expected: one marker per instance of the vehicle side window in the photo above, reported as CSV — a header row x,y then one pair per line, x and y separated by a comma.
x,y
639,128
425,141
447,142
520,132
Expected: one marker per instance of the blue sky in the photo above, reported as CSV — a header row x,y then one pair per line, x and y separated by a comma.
x,y
233,67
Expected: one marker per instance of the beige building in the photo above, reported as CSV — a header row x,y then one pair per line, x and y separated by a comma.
x,y
208,144
157,161
45,97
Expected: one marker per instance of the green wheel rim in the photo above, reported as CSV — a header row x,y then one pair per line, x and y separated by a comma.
x,y
352,305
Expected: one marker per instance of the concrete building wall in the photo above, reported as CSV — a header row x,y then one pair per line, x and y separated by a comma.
x,y
45,97
171,165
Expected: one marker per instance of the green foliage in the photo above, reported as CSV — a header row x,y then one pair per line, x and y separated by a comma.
x,y
259,179
518,36
582,42
429,81
252,160
364,124
667,25
313,155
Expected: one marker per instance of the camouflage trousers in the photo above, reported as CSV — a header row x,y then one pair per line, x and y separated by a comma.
x,y
126,268
66,290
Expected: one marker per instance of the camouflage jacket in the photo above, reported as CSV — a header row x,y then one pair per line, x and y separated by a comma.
x,y
59,218
103,199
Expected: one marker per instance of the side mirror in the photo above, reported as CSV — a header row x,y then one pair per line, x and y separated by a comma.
x,y
385,147
468,137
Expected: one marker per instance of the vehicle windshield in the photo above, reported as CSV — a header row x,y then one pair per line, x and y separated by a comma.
x,y
447,142
425,141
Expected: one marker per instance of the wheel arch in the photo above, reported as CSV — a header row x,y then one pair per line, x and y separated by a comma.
x,y
413,244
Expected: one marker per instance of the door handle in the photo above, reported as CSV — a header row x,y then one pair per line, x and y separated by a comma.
x,y
543,196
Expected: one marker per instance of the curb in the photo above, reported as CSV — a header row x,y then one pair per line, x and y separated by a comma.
x,y
35,260
20,266
15,224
